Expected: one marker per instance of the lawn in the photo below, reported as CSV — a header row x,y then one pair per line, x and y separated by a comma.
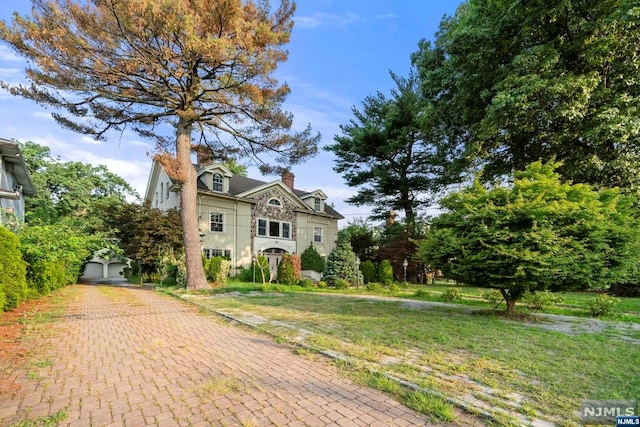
x,y
518,370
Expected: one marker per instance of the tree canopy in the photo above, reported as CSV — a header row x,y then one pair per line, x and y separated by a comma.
x,y
511,83
69,188
195,66
535,234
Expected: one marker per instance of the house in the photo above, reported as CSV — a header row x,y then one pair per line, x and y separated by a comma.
x,y
15,182
241,217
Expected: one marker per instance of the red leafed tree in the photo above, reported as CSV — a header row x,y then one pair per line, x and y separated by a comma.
x,y
201,68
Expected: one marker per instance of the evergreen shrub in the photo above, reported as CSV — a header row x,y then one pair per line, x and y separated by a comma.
x,y
13,271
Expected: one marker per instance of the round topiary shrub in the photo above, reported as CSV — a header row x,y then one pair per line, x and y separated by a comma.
x,y
342,284
305,283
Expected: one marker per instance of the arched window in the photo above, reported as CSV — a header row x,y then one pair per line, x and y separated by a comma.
x,y
274,202
217,182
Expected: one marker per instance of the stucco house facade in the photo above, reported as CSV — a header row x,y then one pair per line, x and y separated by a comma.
x,y
15,182
241,217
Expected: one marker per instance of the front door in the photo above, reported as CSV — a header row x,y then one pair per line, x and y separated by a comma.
x,y
274,256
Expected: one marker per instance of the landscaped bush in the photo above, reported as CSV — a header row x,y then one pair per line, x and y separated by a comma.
x,y
305,283
601,305
342,284
385,272
217,270
368,271
44,276
312,260
322,284
13,271
541,300
341,265
493,296
393,288
451,295
422,293
374,287
289,269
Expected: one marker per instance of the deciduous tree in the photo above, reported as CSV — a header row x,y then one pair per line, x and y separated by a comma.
x,y
534,234
202,68
514,82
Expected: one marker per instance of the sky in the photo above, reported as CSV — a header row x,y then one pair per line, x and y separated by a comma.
x,y
341,51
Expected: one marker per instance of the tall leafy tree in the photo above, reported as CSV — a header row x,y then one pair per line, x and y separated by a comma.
x,y
513,82
201,68
66,189
535,234
385,152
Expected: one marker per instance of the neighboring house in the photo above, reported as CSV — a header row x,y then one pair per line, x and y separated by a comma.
x,y
241,217
15,181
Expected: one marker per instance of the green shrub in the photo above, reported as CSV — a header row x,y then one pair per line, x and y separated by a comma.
x,y
493,296
451,295
341,264
385,272
13,271
322,284
422,293
217,270
342,284
169,282
289,269
368,271
393,288
601,305
312,260
374,287
305,283
540,300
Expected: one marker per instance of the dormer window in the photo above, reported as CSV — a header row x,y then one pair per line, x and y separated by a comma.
x,y
216,182
317,204
275,202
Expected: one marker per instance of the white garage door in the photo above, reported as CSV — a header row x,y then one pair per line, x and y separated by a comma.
x,y
93,270
115,269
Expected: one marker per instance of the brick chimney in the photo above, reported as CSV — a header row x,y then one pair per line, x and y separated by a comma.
x,y
287,179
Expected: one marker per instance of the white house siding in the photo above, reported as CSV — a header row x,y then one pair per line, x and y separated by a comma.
x,y
7,182
236,235
306,223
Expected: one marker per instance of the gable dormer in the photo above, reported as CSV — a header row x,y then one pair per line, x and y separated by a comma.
x,y
215,177
315,200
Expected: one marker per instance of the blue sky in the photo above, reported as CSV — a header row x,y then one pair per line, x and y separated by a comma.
x,y
340,52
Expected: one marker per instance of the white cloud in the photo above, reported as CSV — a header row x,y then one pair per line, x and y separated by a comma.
x,y
7,55
327,20
90,141
42,115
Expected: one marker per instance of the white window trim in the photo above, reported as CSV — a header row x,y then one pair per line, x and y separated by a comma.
x,y
321,235
222,221
268,228
279,205
214,182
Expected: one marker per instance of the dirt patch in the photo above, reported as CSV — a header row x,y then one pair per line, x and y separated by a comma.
x,y
18,341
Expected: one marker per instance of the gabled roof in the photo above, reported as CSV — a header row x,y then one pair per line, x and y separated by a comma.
x,y
240,186
10,152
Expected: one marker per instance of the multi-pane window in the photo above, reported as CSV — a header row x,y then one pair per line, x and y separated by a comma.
x,y
272,228
317,234
210,253
216,182
167,187
317,204
274,202
217,222
161,191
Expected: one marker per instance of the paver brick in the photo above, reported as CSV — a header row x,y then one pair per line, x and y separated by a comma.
x,y
142,359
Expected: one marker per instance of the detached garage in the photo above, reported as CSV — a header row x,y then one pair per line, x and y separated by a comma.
x,y
105,264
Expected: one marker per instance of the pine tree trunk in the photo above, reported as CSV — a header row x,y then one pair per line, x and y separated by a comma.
x,y
189,209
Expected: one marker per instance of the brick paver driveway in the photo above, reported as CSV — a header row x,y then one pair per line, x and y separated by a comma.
x,y
128,356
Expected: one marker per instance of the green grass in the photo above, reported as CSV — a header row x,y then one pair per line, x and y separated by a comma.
x,y
49,421
552,370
